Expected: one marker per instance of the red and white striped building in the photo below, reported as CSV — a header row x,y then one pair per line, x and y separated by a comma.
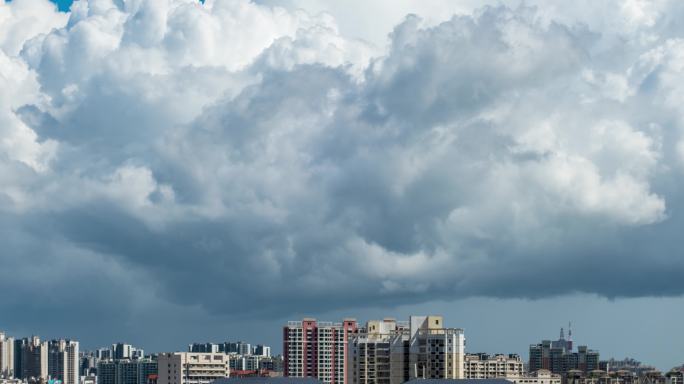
x,y
317,349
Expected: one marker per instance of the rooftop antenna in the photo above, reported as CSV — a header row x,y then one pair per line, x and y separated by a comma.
x,y
570,330
562,334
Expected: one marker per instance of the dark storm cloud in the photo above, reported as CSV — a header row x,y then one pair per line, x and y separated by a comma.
x,y
190,157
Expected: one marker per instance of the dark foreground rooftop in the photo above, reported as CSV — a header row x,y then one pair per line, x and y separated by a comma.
x,y
270,380
458,381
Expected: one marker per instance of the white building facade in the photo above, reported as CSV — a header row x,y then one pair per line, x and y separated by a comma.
x,y
6,357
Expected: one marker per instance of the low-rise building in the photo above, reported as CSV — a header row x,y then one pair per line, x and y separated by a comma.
x,y
675,376
192,368
484,366
541,376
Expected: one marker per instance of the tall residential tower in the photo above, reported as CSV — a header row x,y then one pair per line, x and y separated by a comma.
x,y
317,349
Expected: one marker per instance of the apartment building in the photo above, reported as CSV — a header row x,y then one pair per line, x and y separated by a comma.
x,y
6,357
557,356
317,349
126,371
435,352
126,351
261,350
391,352
63,361
541,376
378,353
192,368
32,355
484,366
243,363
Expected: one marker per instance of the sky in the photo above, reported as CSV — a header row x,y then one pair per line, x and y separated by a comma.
x,y
174,171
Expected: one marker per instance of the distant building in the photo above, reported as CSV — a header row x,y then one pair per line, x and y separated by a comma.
x,y
63,361
675,376
653,377
558,357
541,376
192,368
104,354
317,349
6,357
126,351
262,350
272,364
243,363
204,348
126,371
88,364
627,364
458,381
268,380
484,366
239,347
33,358
391,352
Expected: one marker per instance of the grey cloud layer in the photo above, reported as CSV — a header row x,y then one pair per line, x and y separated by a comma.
x,y
271,165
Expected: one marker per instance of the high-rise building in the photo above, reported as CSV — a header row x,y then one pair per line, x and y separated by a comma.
x,y
558,357
63,361
33,358
273,364
484,366
88,364
126,371
122,351
239,348
244,363
6,357
192,368
19,345
204,348
436,352
126,351
261,350
317,349
391,352
378,353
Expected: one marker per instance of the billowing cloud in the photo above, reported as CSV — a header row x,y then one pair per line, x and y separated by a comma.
x,y
234,156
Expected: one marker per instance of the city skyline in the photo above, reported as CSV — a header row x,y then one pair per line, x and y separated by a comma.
x,y
275,346
179,171
379,351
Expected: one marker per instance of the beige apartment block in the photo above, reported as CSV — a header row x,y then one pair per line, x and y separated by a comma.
x,y
436,352
192,368
483,366
541,376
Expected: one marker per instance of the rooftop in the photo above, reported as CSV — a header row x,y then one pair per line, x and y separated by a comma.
x,y
271,380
